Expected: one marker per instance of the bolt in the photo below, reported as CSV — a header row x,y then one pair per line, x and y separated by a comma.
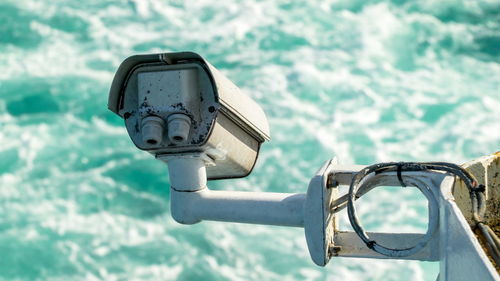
x,y
334,250
331,182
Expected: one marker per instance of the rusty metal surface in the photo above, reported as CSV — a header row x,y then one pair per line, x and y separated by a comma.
x,y
487,171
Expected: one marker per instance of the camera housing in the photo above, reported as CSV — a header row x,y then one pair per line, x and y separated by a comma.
x,y
178,105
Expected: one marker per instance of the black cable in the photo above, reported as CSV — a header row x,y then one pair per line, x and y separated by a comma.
x,y
378,169
476,192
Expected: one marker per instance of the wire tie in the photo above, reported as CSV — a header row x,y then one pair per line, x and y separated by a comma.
x,y
480,188
370,244
400,178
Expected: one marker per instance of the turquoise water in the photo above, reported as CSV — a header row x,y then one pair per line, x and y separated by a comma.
x,y
366,81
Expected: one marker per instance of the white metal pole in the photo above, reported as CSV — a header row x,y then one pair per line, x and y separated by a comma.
x,y
285,209
191,201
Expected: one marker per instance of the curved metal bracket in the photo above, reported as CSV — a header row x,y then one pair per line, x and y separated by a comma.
x,y
319,222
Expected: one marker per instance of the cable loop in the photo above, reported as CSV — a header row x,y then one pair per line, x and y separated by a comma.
x,y
367,182
363,177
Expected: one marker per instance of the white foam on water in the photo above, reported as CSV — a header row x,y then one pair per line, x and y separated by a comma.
x,y
343,92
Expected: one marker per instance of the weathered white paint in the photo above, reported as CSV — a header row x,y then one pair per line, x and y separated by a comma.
x,y
192,201
187,173
203,110
462,258
454,245
284,209
319,223
350,245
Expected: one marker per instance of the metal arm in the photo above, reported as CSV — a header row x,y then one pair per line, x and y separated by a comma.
x,y
192,201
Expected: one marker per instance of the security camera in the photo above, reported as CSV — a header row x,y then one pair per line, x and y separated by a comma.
x,y
179,108
177,104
